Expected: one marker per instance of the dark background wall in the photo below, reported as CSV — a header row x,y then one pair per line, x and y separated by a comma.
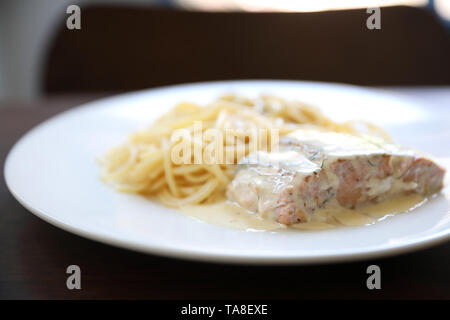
x,y
123,48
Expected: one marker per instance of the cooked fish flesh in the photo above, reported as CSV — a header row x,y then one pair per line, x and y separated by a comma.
x,y
313,170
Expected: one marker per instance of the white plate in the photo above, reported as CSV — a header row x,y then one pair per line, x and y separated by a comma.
x,y
53,172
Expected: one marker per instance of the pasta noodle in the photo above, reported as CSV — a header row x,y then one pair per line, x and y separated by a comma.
x,y
145,164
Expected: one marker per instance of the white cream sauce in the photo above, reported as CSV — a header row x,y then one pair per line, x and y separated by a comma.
x,y
305,151
227,214
342,145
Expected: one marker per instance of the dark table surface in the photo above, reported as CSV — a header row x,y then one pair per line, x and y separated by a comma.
x,y
34,256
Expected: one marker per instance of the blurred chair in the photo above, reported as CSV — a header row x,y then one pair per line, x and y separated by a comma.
x,y
127,48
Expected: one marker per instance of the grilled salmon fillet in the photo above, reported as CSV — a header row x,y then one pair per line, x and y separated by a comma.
x,y
314,169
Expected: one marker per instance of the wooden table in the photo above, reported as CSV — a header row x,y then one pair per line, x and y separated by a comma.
x,y
34,255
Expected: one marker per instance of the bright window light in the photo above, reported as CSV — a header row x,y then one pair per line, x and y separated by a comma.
x,y
294,5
